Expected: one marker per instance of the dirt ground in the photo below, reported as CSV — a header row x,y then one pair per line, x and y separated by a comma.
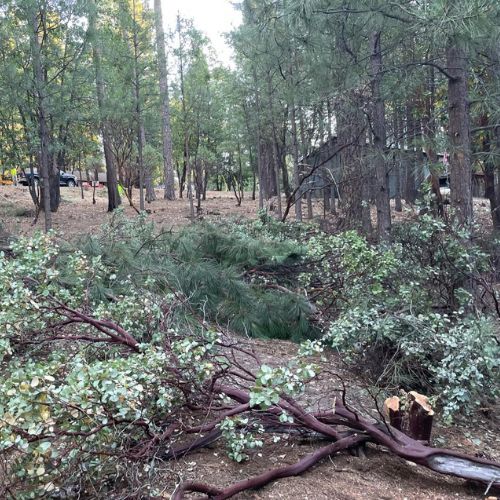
x,y
379,475
77,216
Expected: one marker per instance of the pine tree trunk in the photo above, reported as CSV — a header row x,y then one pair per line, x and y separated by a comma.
x,y
382,190
275,154
459,134
54,185
296,167
351,123
148,175
260,163
111,180
398,206
429,130
410,194
43,130
141,136
187,172
492,162
168,166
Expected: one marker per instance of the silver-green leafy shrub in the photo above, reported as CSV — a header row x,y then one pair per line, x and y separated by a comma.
x,y
404,313
73,400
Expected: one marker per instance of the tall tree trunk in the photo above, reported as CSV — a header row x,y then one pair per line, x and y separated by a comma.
x,y
410,194
429,130
111,180
351,126
168,166
276,164
296,166
491,146
323,171
398,207
148,174
259,141
43,130
283,153
54,184
382,191
304,150
459,134
189,178
329,119
186,161
489,173
141,136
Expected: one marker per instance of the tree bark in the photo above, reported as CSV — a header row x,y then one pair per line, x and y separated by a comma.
x,y
259,140
111,180
276,164
410,194
459,134
491,147
168,166
351,130
187,159
382,200
141,136
398,206
296,167
43,130
429,130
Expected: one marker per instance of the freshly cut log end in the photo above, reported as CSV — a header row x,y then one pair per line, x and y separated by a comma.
x,y
393,412
420,417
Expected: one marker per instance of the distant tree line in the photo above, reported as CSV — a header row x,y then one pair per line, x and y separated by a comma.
x,y
84,81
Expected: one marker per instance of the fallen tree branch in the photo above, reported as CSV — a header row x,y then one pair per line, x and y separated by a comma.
x,y
269,476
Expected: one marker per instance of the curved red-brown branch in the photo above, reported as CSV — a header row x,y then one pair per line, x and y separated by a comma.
x,y
269,476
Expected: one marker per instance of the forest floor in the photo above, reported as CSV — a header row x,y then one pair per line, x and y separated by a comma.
x,y
77,216
378,475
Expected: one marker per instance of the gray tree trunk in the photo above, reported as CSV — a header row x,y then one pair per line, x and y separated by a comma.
x,y
168,165
260,169
141,136
43,130
378,117
296,167
351,124
492,163
398,206
187,159
111,180
410,194
276,163
459,134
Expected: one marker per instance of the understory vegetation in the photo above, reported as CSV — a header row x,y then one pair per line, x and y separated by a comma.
x,y
112,350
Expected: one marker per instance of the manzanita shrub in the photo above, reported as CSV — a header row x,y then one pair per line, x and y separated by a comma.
x,y
109,359
407,313
74,393
101,369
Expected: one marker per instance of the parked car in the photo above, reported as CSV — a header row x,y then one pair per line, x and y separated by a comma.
x,y
64,179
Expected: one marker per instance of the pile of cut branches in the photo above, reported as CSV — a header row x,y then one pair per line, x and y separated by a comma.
x,y
222,395
92,385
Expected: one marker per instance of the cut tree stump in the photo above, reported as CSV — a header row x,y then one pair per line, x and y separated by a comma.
x,y
420,417
393,412
415,420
